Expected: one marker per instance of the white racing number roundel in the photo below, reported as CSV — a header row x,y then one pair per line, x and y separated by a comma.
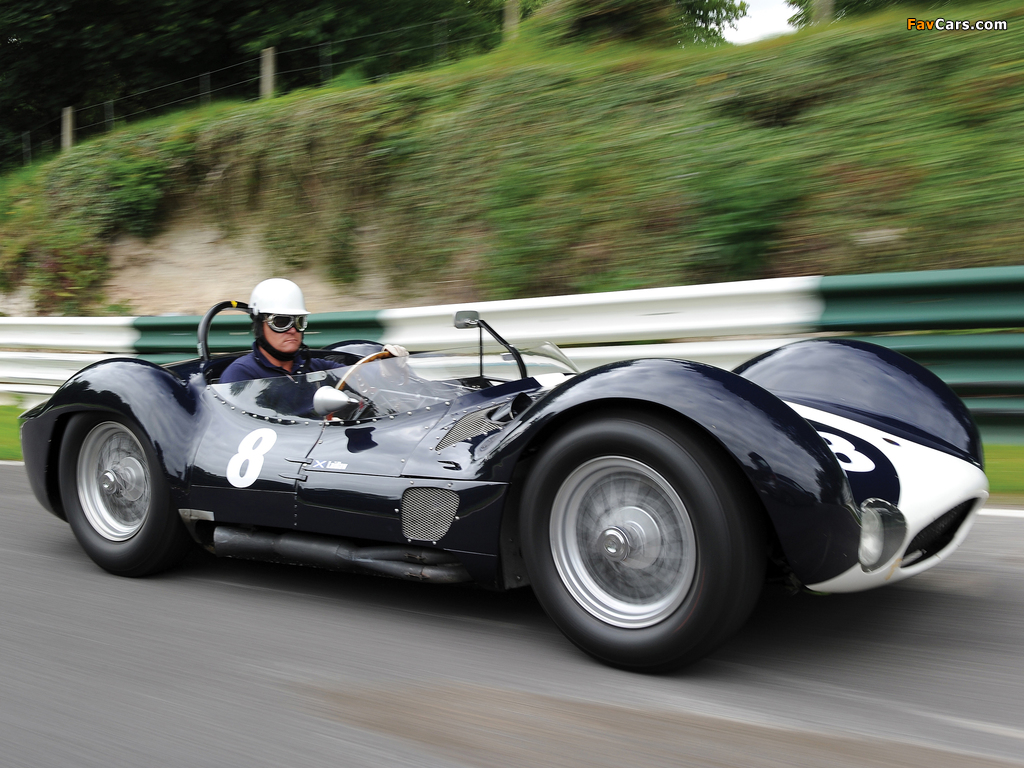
x,y
849,457
870,473
251,451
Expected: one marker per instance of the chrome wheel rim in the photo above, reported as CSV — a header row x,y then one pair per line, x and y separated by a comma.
x,y
113,481
623,542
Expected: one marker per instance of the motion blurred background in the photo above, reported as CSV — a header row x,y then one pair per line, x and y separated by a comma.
x,y
420,152
435,151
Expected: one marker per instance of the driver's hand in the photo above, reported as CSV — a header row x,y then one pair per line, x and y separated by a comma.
x,y
396,350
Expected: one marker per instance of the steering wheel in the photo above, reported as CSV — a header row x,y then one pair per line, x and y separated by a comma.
x,y
352,368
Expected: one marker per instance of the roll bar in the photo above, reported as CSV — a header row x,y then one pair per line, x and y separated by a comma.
x,y
203,334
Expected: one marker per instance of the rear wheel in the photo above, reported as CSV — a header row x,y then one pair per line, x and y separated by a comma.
x,y
642,540
116,498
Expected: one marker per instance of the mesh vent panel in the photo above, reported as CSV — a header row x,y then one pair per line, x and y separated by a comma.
x,y
468,426
428,513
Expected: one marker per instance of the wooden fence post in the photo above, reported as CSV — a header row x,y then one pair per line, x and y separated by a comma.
x,y
26,147
822,11
441,40
326,70
67,128
511,31
267,68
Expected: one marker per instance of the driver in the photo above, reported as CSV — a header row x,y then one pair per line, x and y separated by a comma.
x,y
279,318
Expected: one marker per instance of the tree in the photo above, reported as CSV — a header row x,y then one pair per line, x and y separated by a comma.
x,y
59,53
685,22
703,23
816,11
126,57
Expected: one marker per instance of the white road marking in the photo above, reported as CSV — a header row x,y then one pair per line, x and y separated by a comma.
x,y
842,692
974,725
1018,513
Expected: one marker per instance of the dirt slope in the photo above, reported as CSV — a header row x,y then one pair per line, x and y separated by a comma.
x,y
192,265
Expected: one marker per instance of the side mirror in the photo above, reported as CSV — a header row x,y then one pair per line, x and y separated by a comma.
x,y
467,318
330,400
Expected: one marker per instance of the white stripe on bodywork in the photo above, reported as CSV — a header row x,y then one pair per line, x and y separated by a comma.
x,y
931,483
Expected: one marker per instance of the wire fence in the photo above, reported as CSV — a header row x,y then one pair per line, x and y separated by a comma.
x,y
306,66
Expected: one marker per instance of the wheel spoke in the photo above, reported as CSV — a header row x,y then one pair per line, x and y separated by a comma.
x,y
113,481
622,541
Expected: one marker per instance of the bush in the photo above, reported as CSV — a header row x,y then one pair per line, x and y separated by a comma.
x,y
651,20
563,169
58,217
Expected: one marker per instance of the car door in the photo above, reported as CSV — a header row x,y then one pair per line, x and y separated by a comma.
x,y
257,436
353,484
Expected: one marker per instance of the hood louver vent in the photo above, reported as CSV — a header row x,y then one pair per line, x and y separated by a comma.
x,y
468,426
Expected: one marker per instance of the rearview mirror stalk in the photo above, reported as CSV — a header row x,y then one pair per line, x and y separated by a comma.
x,y
468,318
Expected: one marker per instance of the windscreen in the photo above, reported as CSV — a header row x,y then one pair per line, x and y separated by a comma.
x,y
392,385
491,362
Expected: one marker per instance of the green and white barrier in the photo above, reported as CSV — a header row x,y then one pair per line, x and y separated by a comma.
x,y
966,325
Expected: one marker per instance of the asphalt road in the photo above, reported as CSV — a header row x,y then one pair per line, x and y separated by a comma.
x,y
229,663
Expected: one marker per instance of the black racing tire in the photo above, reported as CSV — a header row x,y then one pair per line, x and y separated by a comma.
x,y
131,529
642,539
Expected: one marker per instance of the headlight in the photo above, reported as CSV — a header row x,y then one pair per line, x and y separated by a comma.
x,y
882,530
872,536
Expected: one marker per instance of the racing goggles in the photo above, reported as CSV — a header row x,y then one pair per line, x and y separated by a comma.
x,y
281,323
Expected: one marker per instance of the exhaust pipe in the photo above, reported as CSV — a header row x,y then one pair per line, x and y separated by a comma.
x,y
334,554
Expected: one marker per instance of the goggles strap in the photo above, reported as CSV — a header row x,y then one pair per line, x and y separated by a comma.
x,y
276,353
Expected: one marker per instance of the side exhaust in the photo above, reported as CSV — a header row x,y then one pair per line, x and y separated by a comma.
x,y
396,561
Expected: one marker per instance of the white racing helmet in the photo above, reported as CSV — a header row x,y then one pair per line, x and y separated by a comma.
x,y
277,296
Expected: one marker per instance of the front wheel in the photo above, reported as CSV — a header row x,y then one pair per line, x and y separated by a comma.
x,y
642,540
116,498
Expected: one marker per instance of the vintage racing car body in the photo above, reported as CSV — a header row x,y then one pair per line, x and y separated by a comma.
x,y
643,500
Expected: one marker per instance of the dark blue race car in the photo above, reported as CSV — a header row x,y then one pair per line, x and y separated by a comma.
x,y
644,501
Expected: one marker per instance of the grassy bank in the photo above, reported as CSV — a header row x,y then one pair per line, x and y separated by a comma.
x,y
10,442
1005,468
546,167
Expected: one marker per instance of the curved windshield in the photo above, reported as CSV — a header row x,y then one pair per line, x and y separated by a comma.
x,y
391,385
493,366
394,384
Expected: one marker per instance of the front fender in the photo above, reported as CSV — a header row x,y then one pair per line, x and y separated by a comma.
x,y
795,475
163,405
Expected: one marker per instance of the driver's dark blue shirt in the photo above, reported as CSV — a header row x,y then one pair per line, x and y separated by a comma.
x,y
255,365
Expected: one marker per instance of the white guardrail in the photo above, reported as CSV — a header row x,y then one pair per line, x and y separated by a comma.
x,y
722,324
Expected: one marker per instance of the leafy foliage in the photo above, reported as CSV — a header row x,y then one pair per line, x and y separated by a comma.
x,y
56,224
83,53
70,269
702,22
669,22
845,8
